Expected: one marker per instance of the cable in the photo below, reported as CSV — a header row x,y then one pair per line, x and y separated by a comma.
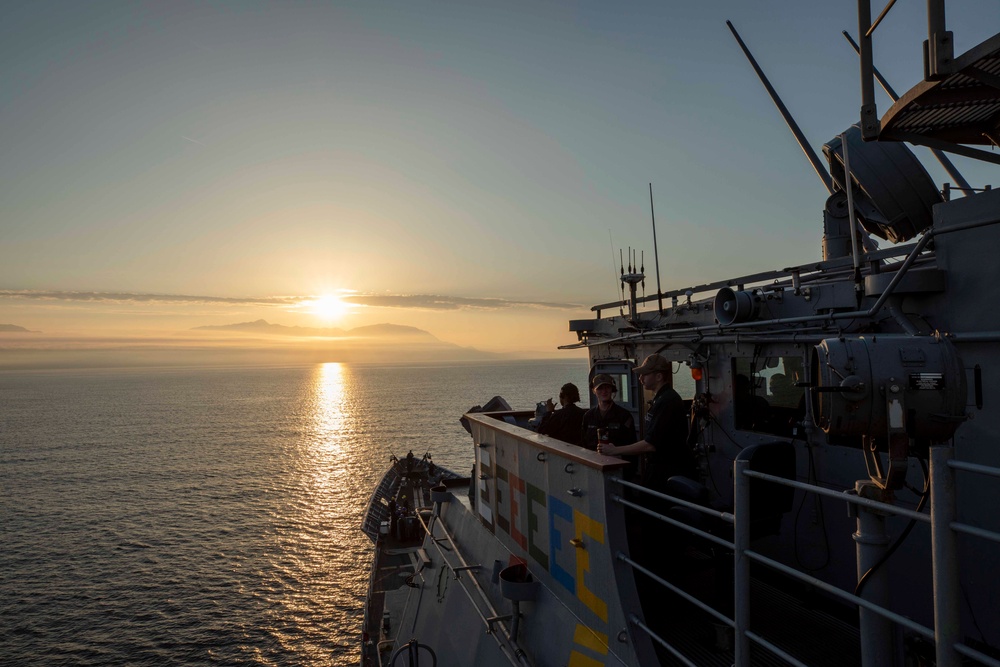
x,y
975,621
902,536
820,515
712,418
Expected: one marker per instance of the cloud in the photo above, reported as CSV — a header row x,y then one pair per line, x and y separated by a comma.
x,y
440,302
414,301
133,297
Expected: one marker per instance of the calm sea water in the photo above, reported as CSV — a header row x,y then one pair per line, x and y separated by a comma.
x,y
193,516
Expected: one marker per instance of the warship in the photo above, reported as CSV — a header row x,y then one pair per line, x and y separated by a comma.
x,y
845,505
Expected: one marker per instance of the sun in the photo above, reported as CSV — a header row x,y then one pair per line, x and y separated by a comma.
x,y
328,307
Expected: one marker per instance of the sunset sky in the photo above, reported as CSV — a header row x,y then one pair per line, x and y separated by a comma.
x,y
468,168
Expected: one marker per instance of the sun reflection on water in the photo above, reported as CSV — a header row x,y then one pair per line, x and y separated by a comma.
x,y
329,414
322,546
326,459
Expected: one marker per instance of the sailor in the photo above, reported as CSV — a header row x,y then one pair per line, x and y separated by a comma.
x,y
663,447
565,424
393,517
607,415
750,411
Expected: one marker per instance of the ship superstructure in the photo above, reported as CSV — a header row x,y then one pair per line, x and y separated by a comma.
x,y
843,416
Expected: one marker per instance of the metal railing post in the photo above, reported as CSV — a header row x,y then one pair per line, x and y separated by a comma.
x,y
741,563
944,549
872,543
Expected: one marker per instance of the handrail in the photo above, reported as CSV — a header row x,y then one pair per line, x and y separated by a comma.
x,y
366,620
844,595
494,421
722,618
913,255
811,270
846,496
725,516
974,467
943,531
775,650
660,640
673,522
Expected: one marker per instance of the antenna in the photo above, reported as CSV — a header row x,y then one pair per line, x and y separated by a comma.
x,y
621,283
656,254
821,171
948,165
642,271
611,243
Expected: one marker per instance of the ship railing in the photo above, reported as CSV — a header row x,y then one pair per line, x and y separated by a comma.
x,y
370,654
945,568
915,257
800,276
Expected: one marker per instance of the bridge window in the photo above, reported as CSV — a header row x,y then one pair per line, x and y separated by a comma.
x,y
765,398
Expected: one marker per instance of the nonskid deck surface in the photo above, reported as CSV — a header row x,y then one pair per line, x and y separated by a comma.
x,y
394,567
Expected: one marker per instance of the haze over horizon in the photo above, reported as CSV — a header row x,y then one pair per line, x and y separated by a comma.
x,y
470,170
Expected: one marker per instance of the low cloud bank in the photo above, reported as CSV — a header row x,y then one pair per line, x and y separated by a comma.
x,y
414,301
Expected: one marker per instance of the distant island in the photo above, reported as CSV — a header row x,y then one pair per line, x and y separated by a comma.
x,y
370,331
375,342
244,343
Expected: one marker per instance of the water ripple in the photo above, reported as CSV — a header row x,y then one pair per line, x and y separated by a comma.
x,y
208,516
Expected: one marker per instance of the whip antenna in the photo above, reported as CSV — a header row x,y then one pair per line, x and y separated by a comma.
x,y
642,270
817,166
656,254
621,283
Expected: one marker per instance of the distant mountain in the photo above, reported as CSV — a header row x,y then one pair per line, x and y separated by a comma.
x,y
263,326
371,331
381,330
15,328
376,342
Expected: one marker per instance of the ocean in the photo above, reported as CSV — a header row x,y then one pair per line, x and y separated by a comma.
x,y
211,515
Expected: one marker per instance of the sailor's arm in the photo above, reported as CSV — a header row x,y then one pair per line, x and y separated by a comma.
x,y
640,447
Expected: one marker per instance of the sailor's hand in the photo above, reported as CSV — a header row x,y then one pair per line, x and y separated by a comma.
x,y
606,448
550,406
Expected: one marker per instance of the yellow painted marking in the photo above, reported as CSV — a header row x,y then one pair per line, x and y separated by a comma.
x,y
590,638
595,530
577,659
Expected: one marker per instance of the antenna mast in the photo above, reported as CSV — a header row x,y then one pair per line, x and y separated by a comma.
x,y
656,254
821,171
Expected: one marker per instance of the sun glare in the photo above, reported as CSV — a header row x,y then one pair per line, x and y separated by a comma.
x,y
328,308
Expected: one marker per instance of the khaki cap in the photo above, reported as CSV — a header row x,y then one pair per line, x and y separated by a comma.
x,y
603,378
654,363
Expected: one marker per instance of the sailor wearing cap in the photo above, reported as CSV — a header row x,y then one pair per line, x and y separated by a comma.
x,y
566,423
607,416
664,441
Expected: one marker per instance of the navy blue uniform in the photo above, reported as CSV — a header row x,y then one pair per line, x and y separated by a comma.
x,y
565,424
617,420
666,429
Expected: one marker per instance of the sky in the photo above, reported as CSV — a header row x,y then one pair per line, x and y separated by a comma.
x,y
472,169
